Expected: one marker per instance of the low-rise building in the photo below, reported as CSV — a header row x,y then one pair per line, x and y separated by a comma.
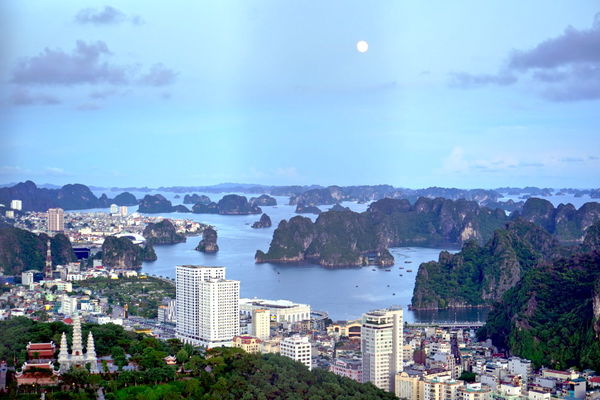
x,y
298,348
350,368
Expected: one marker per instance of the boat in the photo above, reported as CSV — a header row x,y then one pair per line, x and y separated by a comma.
x,y
401,275
400,267
407,262
409,270
387,270
373,269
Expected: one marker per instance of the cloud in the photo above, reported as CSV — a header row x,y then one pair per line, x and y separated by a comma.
x,y
88,107
82,65
22,97
102,94
158,75
571,159
564,68
467,81
106,16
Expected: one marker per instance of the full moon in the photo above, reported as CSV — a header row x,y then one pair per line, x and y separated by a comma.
x,y
362,46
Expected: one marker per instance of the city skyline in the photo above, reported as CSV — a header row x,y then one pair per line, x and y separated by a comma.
x,y
278,94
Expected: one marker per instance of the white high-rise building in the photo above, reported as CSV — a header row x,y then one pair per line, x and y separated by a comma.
x,y
123,211
261,323
27,277
56,219
16,205
382,343
298,348
114,208
208,309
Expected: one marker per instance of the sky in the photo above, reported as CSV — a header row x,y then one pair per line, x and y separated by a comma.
x,y
454,94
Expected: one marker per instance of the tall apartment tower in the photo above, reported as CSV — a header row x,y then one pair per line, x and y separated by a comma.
x,y
381,345
261,323
56,220
208,306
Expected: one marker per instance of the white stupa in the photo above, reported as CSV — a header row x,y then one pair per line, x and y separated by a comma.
x,y
77,358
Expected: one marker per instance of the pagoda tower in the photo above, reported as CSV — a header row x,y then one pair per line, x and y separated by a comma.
x,y
63,354
77,357
48,266
90,354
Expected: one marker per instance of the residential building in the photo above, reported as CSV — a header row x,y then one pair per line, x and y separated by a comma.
x,y
16,205
261,323
474,391
409,387
207,306
298,348
441,388
56,220
350,368
250,344
521,367
27,277
381,345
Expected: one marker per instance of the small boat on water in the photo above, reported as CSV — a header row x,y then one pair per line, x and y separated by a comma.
x,y
409,270
401,275
373,269
387,270
400,267
407,262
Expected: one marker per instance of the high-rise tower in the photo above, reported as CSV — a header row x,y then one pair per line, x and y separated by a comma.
x,y
382,341
208,306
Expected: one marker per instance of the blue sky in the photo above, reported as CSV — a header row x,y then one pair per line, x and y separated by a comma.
x,y
464,94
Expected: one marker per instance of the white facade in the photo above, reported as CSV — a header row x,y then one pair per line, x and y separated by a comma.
x,y
123,211
207,306
114,208
27,277
281,310
16,205
261,324
382,343
522,367
298,348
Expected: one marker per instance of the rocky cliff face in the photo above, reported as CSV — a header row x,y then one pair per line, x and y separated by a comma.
x,y
208,244
125,199
21,250
565,222
201,208
551,315
68,197
196,199
122,253
336,239
480,275
263,222
154,204
302,208
263,200
339,238
162,232
233,204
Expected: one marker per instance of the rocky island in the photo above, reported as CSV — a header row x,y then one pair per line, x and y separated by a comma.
x,y
162,232
196,199
231,204
208,244
68,197
157,203
302,208
263,200
347,238
263,222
